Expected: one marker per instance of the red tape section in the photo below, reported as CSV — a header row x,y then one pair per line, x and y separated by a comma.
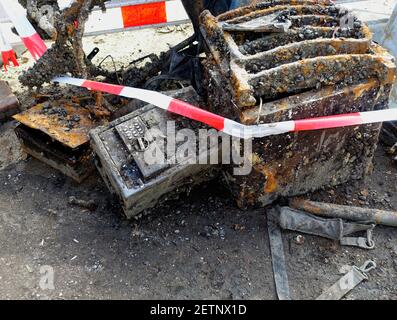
x,y
194,113
144,14
35,45
8,57
104,87
328,122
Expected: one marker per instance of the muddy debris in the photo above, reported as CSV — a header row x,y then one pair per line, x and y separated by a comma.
x,y
42,15
90,205
58,60
250,79
286,57
66,55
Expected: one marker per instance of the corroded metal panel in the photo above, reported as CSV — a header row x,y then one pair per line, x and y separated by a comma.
x,y
65,122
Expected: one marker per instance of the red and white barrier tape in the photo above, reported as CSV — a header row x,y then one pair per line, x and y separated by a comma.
x,y
27,33
7,53
114,19
135,16
230,127
218,122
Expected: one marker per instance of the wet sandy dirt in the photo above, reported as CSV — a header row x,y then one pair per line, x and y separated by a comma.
x,y
198,247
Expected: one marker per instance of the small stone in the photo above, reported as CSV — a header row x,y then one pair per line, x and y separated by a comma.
x,y
300,240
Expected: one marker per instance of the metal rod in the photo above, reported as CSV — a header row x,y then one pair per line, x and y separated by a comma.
x,y
386,218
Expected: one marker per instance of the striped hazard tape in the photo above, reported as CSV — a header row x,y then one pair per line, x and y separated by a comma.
x,y
228,126
124,16
146,14
7,53
27,33
220,123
